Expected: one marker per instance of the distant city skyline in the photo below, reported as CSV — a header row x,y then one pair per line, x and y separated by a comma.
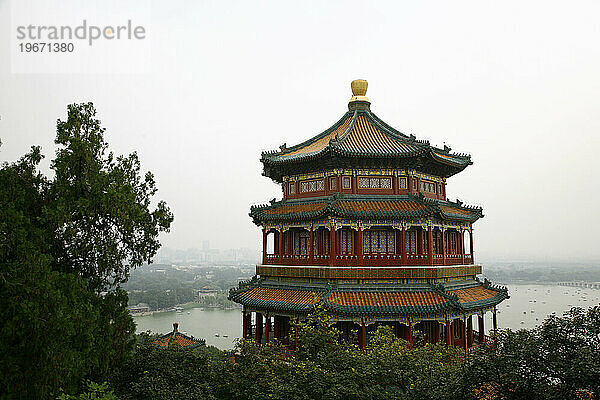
x,y
206,254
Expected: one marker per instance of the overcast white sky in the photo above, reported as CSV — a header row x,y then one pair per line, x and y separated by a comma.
x,y
515,84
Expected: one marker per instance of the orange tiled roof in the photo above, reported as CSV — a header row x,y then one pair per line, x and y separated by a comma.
x,y
475,293
455,210
305,297
352,206
296,208
381,206
394,299
366,137
383,299
323,142
177,338
361,134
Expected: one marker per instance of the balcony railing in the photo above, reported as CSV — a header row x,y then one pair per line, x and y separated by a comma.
x,y
370,259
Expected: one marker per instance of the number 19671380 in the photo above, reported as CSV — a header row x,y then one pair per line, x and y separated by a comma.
x,y
46,47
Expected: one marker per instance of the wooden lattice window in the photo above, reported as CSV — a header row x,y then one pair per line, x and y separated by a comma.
x,y
312,186
374,182
346,241
302,243
325,242
379,241
346,182
411,241
402,183
332,183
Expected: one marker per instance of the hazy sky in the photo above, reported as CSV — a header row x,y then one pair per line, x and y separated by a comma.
x,y
515,84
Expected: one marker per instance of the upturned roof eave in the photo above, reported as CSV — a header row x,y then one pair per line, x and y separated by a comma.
x,y
332,208
421,148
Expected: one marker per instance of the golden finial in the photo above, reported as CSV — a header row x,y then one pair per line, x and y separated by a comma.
x,y
359,87
359,90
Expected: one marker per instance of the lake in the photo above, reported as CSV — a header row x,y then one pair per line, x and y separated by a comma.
x,y
527,307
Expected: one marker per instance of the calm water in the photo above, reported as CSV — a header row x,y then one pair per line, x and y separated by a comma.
x,y
530,304
526,308
201,323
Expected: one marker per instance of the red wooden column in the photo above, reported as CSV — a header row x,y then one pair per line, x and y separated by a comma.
x,y
443,246
395,183
470,331
448,332
267,328
462,247
403,246
276,327
312,247
481,329
410,333
332,245
362,336
430,246
359,248
296,333
290,241
280,246
264,245
464,332
437,332
471,246
259,328
494,322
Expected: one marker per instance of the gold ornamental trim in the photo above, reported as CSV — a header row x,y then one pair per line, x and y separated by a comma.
x,y
370,273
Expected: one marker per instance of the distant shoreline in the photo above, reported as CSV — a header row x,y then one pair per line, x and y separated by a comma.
x,y
591,285
184,306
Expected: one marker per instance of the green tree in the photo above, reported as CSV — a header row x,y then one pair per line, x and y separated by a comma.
x,y
101,205
95,391
45,314
552,361
326,367
65,246
172,373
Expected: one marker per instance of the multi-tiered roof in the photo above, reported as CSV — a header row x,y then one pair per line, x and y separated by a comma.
x,y
365,230
360,139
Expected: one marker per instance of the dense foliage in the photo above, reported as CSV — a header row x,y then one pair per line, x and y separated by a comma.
x,y
553,361
322,367
559,360
66,244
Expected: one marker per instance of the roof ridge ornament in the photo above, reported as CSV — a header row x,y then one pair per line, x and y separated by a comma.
x,y
359,100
